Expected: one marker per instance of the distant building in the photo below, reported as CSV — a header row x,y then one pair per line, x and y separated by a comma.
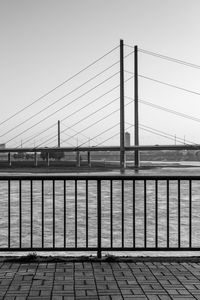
x,y
2,146
127,139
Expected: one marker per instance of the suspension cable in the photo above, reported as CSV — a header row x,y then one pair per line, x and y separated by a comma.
x,y
59,85
111,90
102,119
182,62
165,83
167,109
59,108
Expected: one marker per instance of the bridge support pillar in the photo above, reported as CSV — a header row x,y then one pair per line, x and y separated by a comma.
x,y
78,161
35,159
89,159
124,159
137,158
9,159
47,159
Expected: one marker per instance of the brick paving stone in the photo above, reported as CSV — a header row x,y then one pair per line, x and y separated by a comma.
x,y
116,297
100,280
34,293
87,297
136,297
45,293
109,292
154,297
126,292
84,287
197,297
67,287
137,291
91,292
80,293
35,298
183,298
63,293
164,297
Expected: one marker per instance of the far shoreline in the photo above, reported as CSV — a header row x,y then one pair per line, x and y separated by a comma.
x,y
104,168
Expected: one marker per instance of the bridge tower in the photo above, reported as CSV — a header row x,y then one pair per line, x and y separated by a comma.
x,y
136,113
122,149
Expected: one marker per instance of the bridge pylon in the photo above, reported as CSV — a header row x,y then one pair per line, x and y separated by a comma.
x,y
122,148
136,112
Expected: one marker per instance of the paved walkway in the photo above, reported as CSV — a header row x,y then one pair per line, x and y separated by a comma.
x,y
99,280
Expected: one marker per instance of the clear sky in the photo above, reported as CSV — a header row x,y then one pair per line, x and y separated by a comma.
x,y
44,42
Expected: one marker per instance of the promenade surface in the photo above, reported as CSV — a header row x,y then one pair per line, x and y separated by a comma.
x,y
102,280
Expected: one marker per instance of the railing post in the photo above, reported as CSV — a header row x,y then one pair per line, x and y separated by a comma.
x,y
99,218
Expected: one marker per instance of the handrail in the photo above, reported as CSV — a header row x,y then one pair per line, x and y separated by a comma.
x,y
85,176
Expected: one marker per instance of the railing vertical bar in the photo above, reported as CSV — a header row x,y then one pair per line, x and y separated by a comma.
x,y
31,192
122,213
64,199
111,213
99,218
8,213
145,213
86,213
190,213
53,213
167,213
179,213
75,213
42,213
134,214
156,213
20,213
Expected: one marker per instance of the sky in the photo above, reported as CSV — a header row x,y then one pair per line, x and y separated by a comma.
x,y
43,43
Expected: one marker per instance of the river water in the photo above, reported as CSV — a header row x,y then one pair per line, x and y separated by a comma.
x,y
132,228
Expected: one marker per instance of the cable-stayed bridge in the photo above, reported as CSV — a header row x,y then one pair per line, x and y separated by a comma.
x,y
92,112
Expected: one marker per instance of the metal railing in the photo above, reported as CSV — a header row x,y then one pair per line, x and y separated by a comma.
x,y
99,213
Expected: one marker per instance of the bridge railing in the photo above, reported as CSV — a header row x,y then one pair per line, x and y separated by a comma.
x,y
99,213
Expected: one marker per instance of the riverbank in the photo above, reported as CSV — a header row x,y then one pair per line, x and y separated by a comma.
x,y
33,257
97,167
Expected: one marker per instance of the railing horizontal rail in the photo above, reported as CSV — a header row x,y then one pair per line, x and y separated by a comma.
x,y
99,177
99,213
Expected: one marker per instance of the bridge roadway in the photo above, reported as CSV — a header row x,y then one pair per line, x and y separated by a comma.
x,y
105,148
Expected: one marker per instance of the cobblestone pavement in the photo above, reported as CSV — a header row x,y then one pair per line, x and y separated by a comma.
x,y
99,280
